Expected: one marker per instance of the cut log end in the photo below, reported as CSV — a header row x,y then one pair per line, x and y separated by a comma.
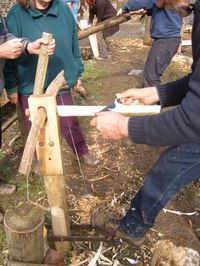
x,y
24,229
24,218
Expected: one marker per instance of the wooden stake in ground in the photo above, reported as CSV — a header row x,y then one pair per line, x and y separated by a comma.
x,y
147,37
24,233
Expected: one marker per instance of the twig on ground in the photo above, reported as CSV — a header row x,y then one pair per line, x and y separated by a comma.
x,y
98,179
40,206
97,255
14,139
79,263
180,213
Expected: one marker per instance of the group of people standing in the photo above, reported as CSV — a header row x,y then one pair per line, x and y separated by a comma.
x,y
25,23
180,163
165,30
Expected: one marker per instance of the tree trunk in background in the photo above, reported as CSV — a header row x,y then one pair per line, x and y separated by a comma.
x,y
182,32
147,38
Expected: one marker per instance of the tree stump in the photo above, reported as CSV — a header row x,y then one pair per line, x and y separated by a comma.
x,y
24,233
147,38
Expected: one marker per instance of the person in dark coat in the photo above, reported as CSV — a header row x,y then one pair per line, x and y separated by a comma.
x,y
177,127
103,10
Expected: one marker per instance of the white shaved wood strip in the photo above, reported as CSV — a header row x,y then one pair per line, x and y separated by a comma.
x,y
98,179
186,42
74,110
116,263
46,209
79,263
180,213
97,255
14,139
102,257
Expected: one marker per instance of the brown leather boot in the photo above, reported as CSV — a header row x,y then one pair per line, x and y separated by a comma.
x,y
112,227
89,159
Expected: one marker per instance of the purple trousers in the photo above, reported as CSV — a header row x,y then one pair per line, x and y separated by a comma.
x,y
65,123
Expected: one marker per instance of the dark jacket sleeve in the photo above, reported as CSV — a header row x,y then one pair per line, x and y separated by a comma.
x,y
91,15
100,8
10,76
172,93
11,81
9,36
176,126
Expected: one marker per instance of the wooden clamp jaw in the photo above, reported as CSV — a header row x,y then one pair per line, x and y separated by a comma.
x,y
42,65
39,116
48,143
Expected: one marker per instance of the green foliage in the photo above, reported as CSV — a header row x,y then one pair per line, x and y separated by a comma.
x,y
175,71
3,244
92,79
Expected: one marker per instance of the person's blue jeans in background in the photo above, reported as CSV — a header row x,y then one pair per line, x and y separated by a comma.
x,y
75,7
176,167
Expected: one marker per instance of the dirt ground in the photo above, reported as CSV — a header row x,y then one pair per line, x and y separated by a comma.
x,y
110,186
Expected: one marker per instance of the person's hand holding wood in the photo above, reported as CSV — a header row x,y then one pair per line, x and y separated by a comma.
x,y
34,47
77,85
144,96
13,98
11,49
79,89
111,125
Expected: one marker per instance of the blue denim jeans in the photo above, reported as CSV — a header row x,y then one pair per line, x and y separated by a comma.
x,y
176,167
75,7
